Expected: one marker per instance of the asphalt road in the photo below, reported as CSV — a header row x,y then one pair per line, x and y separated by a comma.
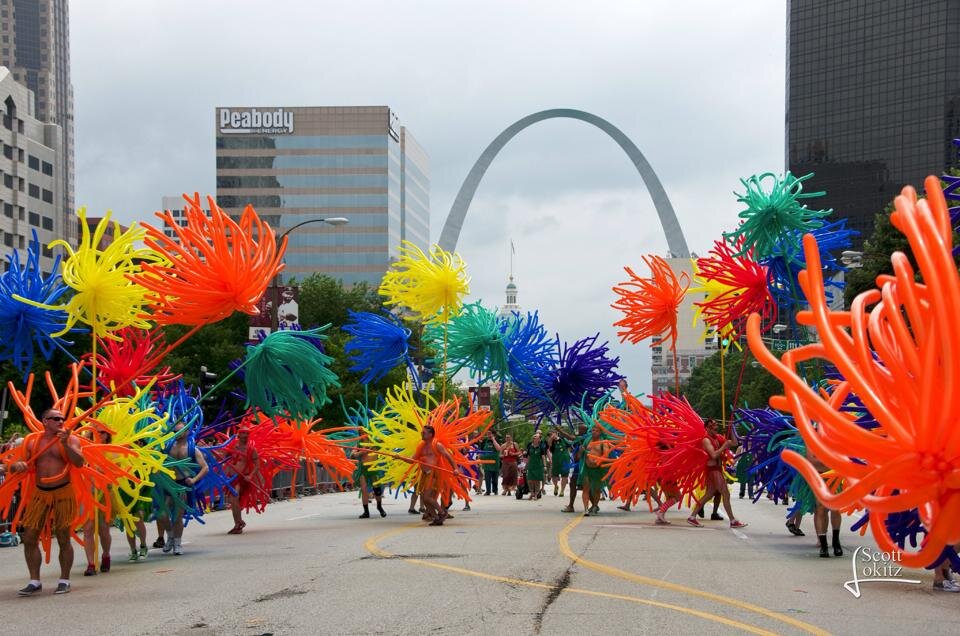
x,y
309,566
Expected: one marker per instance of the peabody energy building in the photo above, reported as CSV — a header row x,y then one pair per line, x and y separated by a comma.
x,y
300,164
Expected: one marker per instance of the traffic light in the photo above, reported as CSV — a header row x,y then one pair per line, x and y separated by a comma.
x,y
207,380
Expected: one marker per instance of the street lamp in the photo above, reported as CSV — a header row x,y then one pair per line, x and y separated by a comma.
x,y
275,312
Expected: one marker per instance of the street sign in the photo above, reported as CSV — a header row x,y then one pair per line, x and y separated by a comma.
x,y
786,345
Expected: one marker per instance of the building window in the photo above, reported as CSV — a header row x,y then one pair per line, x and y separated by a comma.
x,y
8,181
33,162
47,168
33,219
47,196
8,152
8,210
20,212
8,240
46,223
20,241
34,191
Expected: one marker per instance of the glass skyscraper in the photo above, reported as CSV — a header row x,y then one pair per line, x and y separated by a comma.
x,y
873,99
297,164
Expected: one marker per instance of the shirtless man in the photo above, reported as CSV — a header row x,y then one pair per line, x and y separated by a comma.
x,y
427,454
716,484
53,500
180,450
244,464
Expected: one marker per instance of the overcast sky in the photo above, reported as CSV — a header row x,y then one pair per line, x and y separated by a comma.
x,y
698,86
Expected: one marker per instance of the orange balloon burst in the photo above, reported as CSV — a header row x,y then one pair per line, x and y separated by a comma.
x,y
650,304
218,265
316,447
902,360
97,473
457,435
633,471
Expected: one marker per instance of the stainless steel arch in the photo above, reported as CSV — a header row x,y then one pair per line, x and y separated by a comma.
x,y
676,242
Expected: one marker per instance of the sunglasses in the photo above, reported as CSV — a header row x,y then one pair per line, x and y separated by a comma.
x,y
55,419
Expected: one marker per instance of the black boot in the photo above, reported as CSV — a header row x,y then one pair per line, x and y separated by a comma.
x,y
824,551
383,513
700,513
837,548
366,512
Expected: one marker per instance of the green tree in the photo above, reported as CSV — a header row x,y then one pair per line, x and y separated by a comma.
x,y
877,249
702,388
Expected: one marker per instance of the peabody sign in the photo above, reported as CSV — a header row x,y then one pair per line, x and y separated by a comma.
x,y
254,120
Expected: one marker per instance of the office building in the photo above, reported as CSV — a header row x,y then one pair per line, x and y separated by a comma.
x,y
35,47
176,206
692,347
873,99
301,164
112,231
30,175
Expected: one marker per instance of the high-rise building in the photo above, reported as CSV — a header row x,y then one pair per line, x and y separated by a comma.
x,y
30,175
301,164
176,206
873,99
692,347
35,47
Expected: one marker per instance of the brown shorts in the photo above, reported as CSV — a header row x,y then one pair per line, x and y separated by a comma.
x,y
58,507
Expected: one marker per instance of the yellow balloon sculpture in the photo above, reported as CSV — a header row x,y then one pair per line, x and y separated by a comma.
x,y
431,287
105,298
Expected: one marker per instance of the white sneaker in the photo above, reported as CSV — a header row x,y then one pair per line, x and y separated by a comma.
x,y
177,548
948,586
168,545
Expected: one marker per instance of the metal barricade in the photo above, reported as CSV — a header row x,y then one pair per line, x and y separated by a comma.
x,y
282,483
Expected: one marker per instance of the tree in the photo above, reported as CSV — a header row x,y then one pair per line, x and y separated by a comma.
x,y
702,388
877,249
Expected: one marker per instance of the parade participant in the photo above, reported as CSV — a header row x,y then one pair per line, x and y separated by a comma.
x,y
942,580
161,529
820,515
97,526
178,450
592,478
535,452
367,481
559,462
428,454
671,495
243,464
141,511
715,482
413,510
491,470
576,455
53,504
509,452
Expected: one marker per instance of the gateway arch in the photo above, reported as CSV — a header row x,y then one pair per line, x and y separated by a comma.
x,y
676,242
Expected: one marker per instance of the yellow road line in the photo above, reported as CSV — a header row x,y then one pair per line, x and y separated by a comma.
x,y
563,540
373,548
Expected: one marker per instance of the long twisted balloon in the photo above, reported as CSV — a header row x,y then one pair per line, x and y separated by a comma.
x,y
902,359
